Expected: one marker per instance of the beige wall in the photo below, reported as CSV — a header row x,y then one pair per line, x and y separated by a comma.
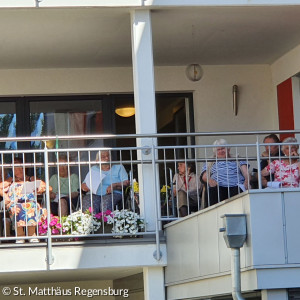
x,y
212,95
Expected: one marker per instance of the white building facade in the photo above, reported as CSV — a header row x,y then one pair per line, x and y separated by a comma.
x,y
81,52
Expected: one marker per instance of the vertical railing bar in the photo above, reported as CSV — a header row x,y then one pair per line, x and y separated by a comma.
x,y
258,163
158,255
49,258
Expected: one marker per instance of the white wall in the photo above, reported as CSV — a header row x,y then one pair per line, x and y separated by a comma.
x,y
212,95
286,66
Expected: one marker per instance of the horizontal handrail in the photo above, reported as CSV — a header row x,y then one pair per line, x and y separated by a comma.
x,y
146,135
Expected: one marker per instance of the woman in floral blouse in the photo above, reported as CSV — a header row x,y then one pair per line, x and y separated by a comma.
x,y
23,207
285,170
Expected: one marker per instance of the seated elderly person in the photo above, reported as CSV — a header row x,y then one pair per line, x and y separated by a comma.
x,y
187,187
285,170
3,187
21,201
109,192
223,178
269,154
65,187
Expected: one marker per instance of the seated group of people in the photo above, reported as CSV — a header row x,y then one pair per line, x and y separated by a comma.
x,y
24,209
225,176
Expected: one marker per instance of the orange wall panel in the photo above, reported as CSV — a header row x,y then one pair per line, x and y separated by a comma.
x,y
285,107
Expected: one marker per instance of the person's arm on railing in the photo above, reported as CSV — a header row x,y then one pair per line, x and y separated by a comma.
x,y
211,182
244,170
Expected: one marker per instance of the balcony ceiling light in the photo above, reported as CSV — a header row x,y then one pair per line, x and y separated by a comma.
x,y
125,112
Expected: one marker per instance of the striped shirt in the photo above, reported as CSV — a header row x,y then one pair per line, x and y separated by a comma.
x,y
226,173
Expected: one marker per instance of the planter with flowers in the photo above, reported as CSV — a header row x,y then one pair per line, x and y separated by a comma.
x,y
125,222
81,223
54,224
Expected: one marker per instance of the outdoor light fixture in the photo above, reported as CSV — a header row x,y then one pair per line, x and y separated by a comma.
x,y
234,99
125,112
194,72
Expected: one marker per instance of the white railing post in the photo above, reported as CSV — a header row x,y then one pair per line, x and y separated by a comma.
x,y
49,257
258,165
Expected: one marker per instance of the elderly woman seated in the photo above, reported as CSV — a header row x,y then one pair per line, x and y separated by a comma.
x,y
21,201
223,178
112,179
187,187
285,170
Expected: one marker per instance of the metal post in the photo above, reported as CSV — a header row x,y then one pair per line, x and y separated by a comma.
x,y
49,257
258,165
157,253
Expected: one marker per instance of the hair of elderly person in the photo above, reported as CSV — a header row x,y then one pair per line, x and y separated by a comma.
x,y
289,140
219,142
98,155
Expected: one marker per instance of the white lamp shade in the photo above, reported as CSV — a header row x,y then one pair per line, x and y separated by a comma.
x,y
194,72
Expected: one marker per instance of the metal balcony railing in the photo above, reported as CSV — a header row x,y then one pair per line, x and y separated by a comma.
x,y
81,192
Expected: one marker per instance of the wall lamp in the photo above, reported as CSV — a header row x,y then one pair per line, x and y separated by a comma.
x,y
235,99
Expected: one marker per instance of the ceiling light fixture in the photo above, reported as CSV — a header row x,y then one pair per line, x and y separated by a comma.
x,y
125,112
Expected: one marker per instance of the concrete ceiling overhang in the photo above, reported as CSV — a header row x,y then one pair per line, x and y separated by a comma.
x,y
100,37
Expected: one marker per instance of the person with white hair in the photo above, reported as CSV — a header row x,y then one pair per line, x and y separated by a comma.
x,y
109,192
223,177
285,170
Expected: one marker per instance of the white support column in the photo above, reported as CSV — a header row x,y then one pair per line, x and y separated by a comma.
x,y
154,287
280,294
144,99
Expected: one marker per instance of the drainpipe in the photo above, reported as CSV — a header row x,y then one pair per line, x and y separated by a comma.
x,y
236,274
235,234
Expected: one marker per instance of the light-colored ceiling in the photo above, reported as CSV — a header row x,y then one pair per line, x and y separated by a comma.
x,y
100,37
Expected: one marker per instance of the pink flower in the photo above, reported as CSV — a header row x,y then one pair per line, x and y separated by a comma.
x,y
53,222
90,209
98,216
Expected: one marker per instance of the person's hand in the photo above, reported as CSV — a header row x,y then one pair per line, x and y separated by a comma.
x,y
109,189
42,188
294,153
85,188
174,192
246,185
126,182
264,181
52,195
212,182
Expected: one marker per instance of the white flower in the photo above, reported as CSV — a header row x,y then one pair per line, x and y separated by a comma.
x,y
80,223
126,221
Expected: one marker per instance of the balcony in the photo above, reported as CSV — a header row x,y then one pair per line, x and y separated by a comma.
x,y
271,217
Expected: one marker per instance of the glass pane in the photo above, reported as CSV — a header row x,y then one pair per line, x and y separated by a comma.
x,y
76,117
8,124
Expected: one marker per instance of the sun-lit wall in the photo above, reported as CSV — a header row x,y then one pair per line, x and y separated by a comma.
x,y
257,104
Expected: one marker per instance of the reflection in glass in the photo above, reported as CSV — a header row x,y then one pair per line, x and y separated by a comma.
x,y
8,124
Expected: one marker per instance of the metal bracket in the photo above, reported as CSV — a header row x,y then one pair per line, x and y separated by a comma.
x,y
156,256
146,150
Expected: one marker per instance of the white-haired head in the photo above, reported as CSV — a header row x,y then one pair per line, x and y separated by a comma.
x,y
289,140
218,143
103,155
